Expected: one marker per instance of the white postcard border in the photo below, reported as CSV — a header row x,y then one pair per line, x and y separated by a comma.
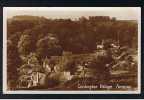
x,y
5,91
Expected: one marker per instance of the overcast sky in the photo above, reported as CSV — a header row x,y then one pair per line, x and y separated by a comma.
x,y
122,13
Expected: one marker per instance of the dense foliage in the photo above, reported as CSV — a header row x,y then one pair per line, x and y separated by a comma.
x,y
50,37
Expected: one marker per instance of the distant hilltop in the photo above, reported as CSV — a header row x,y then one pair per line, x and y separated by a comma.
x,y
26,17
132,21
92,18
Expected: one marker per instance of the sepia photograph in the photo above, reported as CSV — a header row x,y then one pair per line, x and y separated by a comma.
x,y
71,50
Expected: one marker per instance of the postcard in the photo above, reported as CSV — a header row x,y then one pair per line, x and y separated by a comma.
x,y
71,50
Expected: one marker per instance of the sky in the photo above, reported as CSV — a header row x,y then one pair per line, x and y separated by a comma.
x,y
121,13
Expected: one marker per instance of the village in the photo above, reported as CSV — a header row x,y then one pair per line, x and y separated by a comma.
x,y
87,53
61,72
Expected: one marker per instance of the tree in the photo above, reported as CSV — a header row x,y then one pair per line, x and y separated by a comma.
x,y
48,46
13,63
25,45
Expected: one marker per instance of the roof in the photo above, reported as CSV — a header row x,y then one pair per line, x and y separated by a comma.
x,y
25,66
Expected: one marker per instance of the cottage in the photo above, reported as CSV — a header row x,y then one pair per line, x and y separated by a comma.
x,y
30,76
32,80
38,79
